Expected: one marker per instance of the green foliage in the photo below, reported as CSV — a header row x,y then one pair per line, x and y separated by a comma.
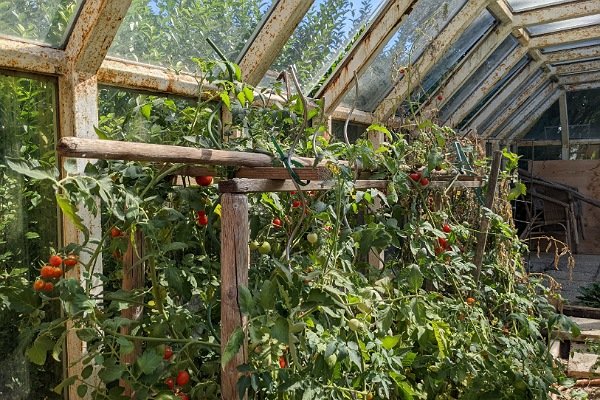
x,y
590,295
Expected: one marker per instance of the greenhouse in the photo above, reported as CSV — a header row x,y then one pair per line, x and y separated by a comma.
x,y
300,199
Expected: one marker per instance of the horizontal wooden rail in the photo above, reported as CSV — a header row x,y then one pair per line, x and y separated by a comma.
x,y
242,185
134,151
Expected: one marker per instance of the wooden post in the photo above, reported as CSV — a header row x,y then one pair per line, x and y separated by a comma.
x,y
376,258
235,261
133,278
564,125
485,222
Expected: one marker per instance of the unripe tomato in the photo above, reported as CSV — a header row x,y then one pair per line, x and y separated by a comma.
x,y
254,245
47,272
48,287
183,377
312,238
38,285
265,248
71,260
55,260
204,180
354,324
168,353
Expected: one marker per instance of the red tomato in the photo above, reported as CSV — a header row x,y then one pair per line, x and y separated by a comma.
x,y
470,301
170,382
71,260
415,176
183,396
443,243
277,222
424,181
48,287
183,377
57,272
38,285
55,260
47,272
296,203
446,228
115,232
282,362
204,180
168,353
202,220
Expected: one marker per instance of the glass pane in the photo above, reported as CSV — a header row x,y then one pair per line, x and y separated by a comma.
x,y
499,109
524,5
415,32
584,152
326,30
584,114
542,29
572,45
547,127
475,81
355,131
539,153
455,54
171,32
46,22
28,228
140,117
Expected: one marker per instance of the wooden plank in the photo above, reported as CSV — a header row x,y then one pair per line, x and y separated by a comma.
x,y
566,36
242,185
557,12
310,174
485,221
581,311
564,125
271,38
134,151
235,262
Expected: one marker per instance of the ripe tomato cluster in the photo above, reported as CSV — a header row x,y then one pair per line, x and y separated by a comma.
x,y
53,271
419,178
443,243
176,383
201,218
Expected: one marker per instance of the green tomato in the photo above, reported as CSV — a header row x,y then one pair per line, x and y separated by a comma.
x,y
354,324
312,238
331,360
254,245
265,248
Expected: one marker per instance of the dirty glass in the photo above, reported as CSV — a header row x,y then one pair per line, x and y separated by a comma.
x,y
28,231
43,21
170,33
584,114
327,30
477,79
542,29
547,127
414,33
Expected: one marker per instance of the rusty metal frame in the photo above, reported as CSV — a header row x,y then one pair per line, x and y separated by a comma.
x,y
559,12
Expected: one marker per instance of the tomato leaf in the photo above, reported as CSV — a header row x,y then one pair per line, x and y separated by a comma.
x,y
247,305
70,212
389,342
67,382
149,361
233,346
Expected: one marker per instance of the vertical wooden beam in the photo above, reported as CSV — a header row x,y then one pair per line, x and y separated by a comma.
x,y
564,124
485,221
376,258
235,261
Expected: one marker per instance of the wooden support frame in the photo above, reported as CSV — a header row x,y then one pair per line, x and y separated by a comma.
x,y
580,78
271,38
580,67
564,125
557,12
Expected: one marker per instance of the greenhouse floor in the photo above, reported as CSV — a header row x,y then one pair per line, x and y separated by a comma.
x,y
585,272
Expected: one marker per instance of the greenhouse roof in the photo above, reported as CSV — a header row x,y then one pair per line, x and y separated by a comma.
x,y
491,67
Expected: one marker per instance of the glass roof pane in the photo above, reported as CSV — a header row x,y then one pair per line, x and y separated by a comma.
x,y
170,32
497,87
542,29
47,22
494,60
525,5
415,32
572,45
326,30
455,53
